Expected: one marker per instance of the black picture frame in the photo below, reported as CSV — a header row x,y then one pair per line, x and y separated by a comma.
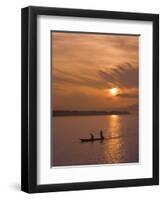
x,y
29,99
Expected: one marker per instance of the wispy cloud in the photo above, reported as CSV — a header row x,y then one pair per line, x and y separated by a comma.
x,y
123,75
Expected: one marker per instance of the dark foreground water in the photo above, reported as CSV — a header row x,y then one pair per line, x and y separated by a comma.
x,y
121,145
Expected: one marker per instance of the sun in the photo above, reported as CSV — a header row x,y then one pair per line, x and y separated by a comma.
x,y
114,91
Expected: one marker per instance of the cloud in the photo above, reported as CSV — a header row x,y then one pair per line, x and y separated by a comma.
x,y
84,79
128,95
85,66
123,75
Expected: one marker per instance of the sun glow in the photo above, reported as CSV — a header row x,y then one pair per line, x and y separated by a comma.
x,y
114,91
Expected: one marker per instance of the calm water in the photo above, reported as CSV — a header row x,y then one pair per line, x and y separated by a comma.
x,y
120,147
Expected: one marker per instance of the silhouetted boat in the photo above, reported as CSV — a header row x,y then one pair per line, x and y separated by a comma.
x,y
91,140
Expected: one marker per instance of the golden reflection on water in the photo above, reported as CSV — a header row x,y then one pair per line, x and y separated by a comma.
x,y
114,149
114,124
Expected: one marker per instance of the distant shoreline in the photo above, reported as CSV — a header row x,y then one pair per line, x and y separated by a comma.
x,y
62,113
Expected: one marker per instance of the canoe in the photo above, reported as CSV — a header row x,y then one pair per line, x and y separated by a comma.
x,y
91,140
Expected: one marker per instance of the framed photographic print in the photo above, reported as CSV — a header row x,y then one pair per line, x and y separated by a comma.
x,y
90,99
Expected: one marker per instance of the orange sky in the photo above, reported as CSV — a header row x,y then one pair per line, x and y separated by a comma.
x,y
86,66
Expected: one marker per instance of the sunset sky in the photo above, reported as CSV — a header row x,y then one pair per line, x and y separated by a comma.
x,y
94,71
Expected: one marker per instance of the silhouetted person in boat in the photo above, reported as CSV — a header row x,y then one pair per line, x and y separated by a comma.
x,y
101,135
92,136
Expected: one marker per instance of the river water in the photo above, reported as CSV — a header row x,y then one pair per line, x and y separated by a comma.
x,y
121,144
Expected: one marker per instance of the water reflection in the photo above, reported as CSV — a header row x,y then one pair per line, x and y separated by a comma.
x,y
114,125
120,146
113,150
